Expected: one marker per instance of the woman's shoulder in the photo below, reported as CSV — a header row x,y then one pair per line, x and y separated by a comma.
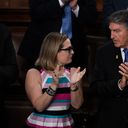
x,y
33,71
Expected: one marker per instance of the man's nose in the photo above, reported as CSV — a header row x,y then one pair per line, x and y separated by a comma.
x,y
112,35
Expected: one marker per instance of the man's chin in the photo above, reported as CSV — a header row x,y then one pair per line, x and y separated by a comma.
x,y
116,45
69,61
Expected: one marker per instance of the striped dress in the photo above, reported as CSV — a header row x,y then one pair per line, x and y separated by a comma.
x,y
57,114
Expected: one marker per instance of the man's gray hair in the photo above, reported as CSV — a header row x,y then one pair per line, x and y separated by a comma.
x,y
119,17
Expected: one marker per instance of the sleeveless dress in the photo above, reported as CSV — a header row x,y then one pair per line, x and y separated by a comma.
x,y
57,114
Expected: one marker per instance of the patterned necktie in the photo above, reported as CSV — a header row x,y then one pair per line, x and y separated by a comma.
x,y
126,54
67,22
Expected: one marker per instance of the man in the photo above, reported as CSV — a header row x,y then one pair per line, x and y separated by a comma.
x,y
8,67
46,17
109,81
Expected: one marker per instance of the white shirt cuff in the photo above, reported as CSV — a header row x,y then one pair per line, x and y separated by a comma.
x,y
61,3
76,11
119,85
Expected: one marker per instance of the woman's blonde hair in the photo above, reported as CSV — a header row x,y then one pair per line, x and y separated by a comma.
x,y
51,44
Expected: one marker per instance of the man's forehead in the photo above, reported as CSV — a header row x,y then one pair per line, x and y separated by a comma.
x,y
113,25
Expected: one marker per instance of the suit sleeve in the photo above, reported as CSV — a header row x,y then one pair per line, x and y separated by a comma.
x,y
87,12
8,64
41,10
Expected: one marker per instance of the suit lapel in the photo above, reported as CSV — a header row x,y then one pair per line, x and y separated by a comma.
x,y
117,60
118,57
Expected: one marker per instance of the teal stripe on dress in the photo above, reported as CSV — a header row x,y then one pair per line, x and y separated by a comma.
x,y
61,80
51,116
61,101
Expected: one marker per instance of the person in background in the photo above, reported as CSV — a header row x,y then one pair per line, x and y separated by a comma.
x,y
109,7
46,17
51,87
8,68
110,78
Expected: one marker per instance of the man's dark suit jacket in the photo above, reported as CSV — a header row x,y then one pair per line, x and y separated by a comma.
x,y
113,107
8,63
8,67
111,6
46,17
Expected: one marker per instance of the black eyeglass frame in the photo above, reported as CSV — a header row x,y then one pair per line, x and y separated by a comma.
x,y
69,49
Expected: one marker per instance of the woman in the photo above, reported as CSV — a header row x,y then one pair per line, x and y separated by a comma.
x,y
52,88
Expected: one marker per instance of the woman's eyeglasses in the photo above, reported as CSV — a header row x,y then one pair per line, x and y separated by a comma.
x,y
69,49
